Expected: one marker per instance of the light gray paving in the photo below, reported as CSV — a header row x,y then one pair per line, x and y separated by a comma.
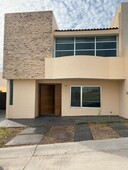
x,y
109,154
17,152
13,164
10,123
26,139
88,146
81,161
35,130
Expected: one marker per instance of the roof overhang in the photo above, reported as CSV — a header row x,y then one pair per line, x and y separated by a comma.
x,y
81,32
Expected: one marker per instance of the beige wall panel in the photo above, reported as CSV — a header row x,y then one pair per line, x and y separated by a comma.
x,y
124,47
110,97
85,67
23,100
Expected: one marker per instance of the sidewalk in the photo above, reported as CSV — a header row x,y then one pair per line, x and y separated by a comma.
x,y
109,154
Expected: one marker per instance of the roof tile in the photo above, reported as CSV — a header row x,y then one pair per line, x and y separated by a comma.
x,y
90,29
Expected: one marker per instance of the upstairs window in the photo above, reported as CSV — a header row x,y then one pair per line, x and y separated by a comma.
x,y
64,47
85,46
105,46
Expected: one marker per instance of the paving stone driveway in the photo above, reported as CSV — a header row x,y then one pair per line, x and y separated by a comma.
x,y
67,133
46,130
120,128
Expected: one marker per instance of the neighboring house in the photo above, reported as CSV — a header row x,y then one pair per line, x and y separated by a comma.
x,y
3,84
65,72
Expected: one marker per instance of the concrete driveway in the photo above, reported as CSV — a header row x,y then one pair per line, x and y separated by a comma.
x,y
109,154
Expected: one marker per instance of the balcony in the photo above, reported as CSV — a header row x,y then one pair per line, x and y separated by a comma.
x,y
84,67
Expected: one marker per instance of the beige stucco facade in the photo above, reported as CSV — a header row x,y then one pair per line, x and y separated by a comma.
x,y
74,67
33,63
25,98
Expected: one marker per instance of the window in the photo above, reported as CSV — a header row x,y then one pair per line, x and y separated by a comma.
x,y
85,46
11,92
105,46
85,96
75,96
64,47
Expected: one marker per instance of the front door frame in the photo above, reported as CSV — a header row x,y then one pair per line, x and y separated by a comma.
x,y
56,113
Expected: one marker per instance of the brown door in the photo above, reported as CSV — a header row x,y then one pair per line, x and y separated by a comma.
x,y
50,99
46,99
57,108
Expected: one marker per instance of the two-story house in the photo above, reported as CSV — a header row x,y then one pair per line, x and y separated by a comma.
x,y
65,72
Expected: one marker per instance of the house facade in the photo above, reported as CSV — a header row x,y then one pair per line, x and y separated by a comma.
x,y
65,72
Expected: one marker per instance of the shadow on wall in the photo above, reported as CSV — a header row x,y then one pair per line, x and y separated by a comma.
x,y
1,168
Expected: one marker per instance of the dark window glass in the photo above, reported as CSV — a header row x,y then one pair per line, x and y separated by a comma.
x,y
11,92
85,39
85,53
106,38
64,46
64,40
106,45
64,53
85,46
91,96
106,53
75,96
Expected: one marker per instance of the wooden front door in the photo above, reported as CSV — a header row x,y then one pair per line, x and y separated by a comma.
x,y
46,99
50,99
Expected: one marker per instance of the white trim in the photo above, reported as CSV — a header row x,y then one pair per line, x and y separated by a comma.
x,y
74,46
54,50
117,46
81,96
95,47
81,107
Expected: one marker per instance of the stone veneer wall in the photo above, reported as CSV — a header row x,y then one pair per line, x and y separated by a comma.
x,y
28,41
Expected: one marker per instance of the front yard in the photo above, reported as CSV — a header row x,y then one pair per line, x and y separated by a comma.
x,y
6,134
62,133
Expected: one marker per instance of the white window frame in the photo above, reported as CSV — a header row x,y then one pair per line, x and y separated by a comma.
x,y
81,86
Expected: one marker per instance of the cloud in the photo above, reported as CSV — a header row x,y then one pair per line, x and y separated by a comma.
x,y
68,13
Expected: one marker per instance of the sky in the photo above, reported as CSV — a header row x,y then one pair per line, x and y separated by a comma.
x,y
69,14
